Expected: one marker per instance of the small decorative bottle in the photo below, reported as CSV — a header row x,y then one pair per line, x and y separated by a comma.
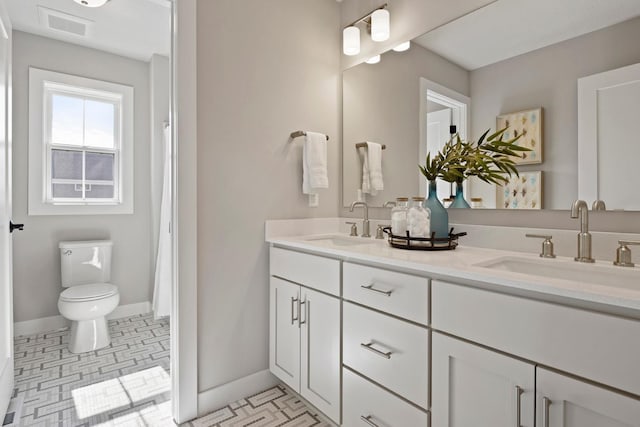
x,y
418,219
399,217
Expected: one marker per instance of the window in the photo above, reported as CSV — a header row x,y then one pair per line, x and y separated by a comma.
x,y
80,145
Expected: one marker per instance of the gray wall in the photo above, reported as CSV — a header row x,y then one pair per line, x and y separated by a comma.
x,y
548,77
381,103
36,261
265,69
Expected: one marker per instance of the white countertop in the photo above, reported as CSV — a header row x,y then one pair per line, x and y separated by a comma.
x,y
460,266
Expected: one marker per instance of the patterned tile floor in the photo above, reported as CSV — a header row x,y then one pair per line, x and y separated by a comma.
x,y
275,407
128,384
125,384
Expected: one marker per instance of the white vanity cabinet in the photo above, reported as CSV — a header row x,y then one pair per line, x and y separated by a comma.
x,y
304,344
371,344
385,342
469,379
563,401
474,386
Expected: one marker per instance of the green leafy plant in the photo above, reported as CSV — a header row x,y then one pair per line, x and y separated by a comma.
x,y
490,159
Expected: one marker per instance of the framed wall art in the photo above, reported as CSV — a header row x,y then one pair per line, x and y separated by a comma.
x,y
521,192
528,124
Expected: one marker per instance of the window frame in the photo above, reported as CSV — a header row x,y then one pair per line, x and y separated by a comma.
x,y
43,85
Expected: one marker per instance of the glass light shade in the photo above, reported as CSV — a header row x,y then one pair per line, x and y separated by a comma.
x,y
380,25
402,46
373,60
351,41
91,3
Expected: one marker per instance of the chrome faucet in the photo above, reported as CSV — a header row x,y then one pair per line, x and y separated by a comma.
x,y
579,209
365,221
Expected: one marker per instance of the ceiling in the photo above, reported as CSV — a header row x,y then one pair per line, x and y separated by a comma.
x,y
507,28
132,28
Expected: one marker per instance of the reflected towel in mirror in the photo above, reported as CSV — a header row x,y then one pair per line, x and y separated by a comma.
x,y
372,181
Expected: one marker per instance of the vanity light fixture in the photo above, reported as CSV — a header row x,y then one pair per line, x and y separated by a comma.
x,y
351,40
377,25
403,46
373,60
91,3
380,30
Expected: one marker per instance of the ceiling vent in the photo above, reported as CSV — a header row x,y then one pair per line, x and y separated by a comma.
x,y
63,22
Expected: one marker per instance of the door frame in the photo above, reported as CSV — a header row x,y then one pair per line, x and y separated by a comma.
x,y
430,90
5,27
184,312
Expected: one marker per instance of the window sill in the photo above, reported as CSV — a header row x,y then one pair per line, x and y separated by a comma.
x,y
36,209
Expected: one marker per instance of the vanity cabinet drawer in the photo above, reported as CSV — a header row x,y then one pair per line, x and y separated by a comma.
x,y
391,352
597,346
363,399
312,271
402,295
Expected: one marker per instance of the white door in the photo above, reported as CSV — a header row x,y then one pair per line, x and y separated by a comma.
x,y
608,109
320,352
6,296
284,332
568,402
473,386
437,135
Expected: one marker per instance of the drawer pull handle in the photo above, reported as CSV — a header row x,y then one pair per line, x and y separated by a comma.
x,y
369,347
367,420
519,392
371,288
546,402
293,307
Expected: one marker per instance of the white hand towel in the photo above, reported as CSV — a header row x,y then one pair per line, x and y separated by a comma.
x,y
314,165
372,181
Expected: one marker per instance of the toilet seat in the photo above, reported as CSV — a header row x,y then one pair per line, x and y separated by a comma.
x,y
89,292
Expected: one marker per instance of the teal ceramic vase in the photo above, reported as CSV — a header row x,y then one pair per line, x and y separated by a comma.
x,y
439,215
459,202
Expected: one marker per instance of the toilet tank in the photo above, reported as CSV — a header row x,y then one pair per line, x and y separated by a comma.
x,y
84,262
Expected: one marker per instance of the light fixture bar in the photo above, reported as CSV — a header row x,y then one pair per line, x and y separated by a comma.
x,y
368,15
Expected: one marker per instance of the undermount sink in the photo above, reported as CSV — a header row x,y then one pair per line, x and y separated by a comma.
x,y
597,274
339,240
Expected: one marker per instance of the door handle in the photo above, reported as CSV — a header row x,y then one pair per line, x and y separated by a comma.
x,y
304,311
13,226
546,402
293,308
519,392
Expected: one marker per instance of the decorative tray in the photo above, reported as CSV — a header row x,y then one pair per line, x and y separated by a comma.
x,y
432,243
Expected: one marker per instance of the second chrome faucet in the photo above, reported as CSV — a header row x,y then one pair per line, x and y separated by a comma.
x,y
579,209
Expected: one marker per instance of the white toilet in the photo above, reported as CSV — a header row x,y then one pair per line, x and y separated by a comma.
x,y
89,297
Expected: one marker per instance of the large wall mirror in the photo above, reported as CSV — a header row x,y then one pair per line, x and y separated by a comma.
x,y
517,62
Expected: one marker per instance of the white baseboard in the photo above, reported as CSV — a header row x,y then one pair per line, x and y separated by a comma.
x,y
53,323
130,310
36,326
218,397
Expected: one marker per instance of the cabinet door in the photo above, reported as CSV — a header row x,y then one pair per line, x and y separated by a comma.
x,y
568,402
284,332
473,386
320,352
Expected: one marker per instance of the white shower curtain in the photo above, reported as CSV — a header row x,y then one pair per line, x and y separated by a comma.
x,y
164,267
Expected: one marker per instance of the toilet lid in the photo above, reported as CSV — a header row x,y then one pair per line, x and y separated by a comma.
x,y
90,291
